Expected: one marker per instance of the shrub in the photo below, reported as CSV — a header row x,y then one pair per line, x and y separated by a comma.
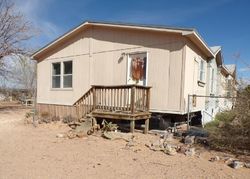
x,y
68,119
231,129
44,117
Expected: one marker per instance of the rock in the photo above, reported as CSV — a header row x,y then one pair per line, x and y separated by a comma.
x,y
73,125
182,149
170,150
157,145
60,135
130,143
117,135
168,137
247,165
71,135
189,140
81,134
237,164
190,152
214,159
228,160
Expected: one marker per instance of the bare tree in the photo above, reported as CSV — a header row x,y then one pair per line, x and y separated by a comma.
x,y
23,73
14,31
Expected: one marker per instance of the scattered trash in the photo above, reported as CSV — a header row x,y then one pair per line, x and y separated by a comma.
x,y
190,152
170,150
189,140
201,140
237,164
214,159
157,145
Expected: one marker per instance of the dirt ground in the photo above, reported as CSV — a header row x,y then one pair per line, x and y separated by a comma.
x,y
28,152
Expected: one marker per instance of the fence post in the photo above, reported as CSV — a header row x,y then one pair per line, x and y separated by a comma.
x,y
188,114
94,97
133,99
148,98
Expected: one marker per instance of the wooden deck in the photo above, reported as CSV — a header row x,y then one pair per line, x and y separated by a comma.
x,y
123,102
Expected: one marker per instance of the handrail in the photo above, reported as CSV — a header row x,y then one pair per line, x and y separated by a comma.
x,y
126,98
83,96
121,86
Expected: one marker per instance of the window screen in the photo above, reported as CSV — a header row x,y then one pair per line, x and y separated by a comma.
x,y
56,78
67,74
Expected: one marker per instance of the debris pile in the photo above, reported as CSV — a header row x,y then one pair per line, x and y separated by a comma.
x,y
233,163
87,126
82,129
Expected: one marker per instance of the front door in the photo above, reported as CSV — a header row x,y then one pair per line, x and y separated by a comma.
x,y
137,68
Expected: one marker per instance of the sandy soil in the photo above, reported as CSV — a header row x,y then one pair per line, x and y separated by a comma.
x,y
28,152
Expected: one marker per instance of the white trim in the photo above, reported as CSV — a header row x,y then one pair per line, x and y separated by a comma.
x,y
184,32
61,88
128,65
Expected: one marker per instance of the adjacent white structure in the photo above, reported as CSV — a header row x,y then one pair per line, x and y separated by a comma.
x,y
213,76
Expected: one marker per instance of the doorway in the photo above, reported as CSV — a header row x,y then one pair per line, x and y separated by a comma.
x,y
137,68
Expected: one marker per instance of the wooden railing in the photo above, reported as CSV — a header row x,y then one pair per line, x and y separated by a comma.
x,y
84,105
123,98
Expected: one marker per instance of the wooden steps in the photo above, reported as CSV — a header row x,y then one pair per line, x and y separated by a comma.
x,y
123,102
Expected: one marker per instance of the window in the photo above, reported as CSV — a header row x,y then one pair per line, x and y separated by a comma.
x,y
202,71
67,74
212,81
56,75
62,74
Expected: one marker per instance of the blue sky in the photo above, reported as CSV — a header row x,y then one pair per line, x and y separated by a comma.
x,y
220,22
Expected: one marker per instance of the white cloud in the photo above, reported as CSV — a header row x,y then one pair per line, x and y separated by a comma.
x,y
245,69
33,10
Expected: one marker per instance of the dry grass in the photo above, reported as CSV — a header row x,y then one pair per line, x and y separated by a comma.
x,y
231,129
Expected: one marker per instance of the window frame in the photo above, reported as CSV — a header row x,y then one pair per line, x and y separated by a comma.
x,y
61,75
212,81
55,75
202,73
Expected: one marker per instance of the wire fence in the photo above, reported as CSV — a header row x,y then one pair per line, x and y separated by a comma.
x,y
208,107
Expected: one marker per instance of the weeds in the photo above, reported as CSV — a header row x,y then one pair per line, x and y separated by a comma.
x,y
231,129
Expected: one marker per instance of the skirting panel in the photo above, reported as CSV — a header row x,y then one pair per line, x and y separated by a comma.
x,y
56,110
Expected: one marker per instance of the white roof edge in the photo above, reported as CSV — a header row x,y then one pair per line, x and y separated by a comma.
x,y
203,42
224,66
216,49
183,31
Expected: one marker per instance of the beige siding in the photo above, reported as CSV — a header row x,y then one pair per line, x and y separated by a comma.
x,y
97,56
193,57
81,73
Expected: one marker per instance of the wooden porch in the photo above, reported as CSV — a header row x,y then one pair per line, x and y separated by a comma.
x,y
123,102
